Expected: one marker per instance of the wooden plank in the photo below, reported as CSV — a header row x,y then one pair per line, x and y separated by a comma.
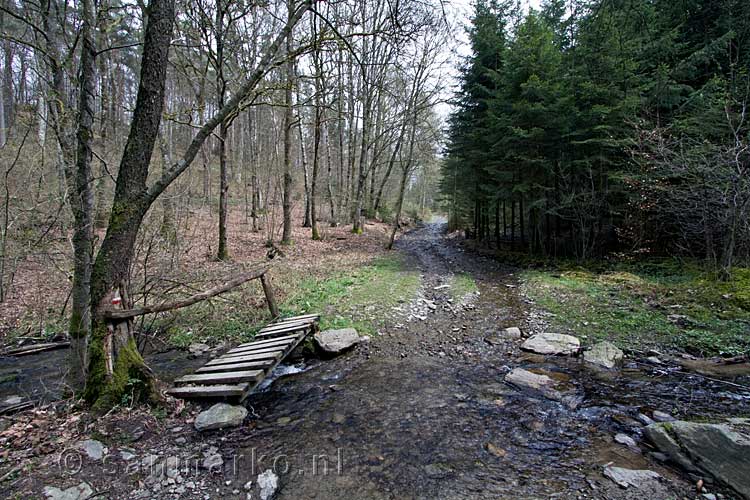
x,y
291,321
274,335
270,369
256,350
281,332
224,360
221,378
269,341
250,365
277,341
34,348
303,316
211,391
273,327
270,354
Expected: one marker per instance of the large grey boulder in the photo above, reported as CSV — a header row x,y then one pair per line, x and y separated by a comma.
x,y
604,354
552,343
79,492
336,341
718,450
219,416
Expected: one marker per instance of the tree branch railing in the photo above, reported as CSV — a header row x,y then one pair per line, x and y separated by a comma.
x,y
257,273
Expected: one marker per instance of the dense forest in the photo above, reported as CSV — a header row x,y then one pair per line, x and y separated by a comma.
x,y
288,113
590,127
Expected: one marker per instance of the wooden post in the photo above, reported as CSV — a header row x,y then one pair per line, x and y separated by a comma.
x,y
269,296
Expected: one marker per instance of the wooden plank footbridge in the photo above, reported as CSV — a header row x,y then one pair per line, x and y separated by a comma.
x,y
235,374
240,370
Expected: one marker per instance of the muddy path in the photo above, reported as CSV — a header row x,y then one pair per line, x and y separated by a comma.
x,y
422,411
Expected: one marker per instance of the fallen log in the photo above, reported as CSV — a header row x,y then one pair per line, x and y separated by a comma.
x,y
125,314
734,360
35,348
7,410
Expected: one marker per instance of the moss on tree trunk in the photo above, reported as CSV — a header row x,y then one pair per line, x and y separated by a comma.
x,y
128,380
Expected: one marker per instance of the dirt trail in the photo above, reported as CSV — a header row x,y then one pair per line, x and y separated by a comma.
x,y
422,411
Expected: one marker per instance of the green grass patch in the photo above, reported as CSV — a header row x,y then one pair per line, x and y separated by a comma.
x,y
210,330
214,322
357,299
461,285
653,304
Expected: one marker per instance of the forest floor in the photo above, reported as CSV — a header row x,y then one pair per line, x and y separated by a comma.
x,y
419,411
34,310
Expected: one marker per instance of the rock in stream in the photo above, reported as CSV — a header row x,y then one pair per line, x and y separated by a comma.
x,y
719,450
604,354
337,341
219,416
552,343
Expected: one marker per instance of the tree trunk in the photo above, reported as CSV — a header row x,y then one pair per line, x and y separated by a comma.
x,y
80,185
114,360
167,228
391,162
317,132
254,195
329,180
7,83
399,206
505,222
286,238
223,252
221,86
512,224
358,225
497,223
306,222
100,220
521,216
